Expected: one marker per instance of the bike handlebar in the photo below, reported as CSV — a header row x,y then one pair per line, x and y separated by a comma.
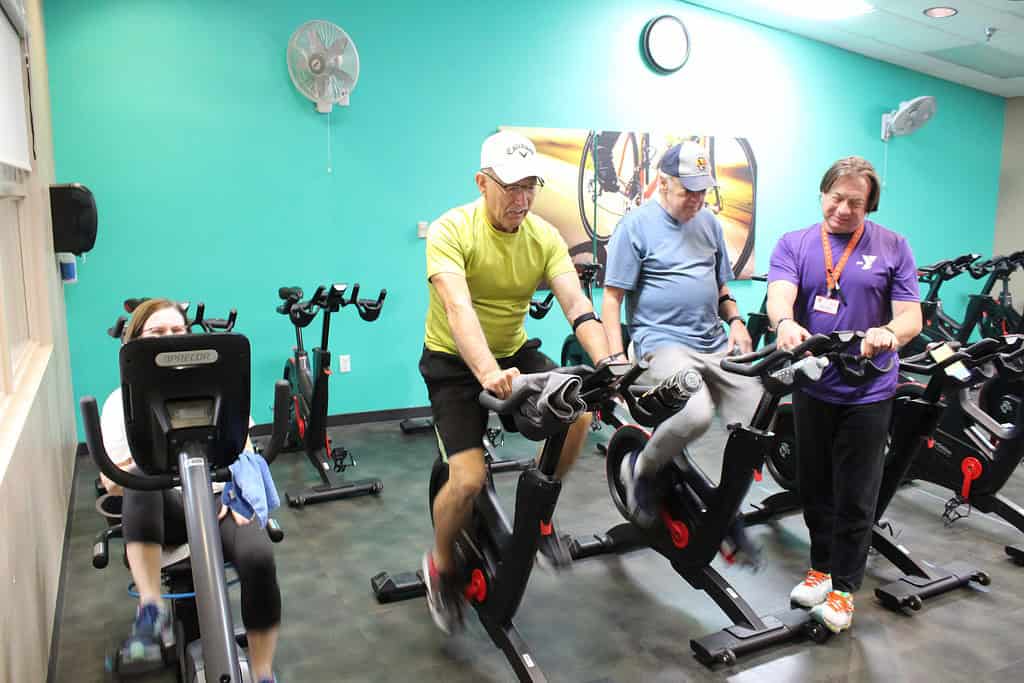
x,y
771,363
368,309
539,309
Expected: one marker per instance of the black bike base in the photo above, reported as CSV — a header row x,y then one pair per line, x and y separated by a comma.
x,y
397,587
389,588
910,590
619,539
326,492
1017,554
726,645
772,507
415,425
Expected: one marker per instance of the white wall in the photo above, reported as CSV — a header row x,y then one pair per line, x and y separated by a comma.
x,y
1010,215
37,429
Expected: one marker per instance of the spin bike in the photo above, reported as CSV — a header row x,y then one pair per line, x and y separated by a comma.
x,y
992,315
696,515
972,454
912,435
307,424
187,416
496,555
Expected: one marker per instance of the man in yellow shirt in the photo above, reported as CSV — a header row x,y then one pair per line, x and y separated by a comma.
x,y
485,260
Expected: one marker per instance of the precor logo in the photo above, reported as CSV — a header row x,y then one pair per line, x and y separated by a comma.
x,y
174,359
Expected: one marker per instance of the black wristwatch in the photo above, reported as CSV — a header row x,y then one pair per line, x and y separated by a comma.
x,y
733,319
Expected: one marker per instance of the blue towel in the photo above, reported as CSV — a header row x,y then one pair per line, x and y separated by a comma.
x,y
251,490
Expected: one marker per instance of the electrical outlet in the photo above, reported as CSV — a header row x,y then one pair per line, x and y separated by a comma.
x,y
421,229
345,363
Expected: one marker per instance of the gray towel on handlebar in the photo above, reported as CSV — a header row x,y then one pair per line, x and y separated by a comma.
x,y
554,401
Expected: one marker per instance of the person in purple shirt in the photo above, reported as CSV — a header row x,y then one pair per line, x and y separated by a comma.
x,y
844,273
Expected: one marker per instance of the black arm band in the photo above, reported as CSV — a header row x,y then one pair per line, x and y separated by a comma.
x,y
589,315
725,297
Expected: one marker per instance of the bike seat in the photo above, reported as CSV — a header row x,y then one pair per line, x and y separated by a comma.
x,y
934,268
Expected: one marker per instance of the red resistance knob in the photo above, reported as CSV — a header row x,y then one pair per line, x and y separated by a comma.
x,y
971,468
476,589
677,530
757,474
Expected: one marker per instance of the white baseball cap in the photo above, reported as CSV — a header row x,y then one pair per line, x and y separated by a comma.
x,y
511,156
689,162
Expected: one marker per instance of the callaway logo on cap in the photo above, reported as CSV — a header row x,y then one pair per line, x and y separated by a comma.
x,y
689,162
510,156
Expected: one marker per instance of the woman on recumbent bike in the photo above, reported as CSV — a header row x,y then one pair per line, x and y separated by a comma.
x,y
153,519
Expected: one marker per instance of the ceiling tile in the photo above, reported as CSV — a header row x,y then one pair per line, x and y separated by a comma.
x,y
983,58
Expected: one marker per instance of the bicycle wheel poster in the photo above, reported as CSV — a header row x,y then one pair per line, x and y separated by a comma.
x,y
593,178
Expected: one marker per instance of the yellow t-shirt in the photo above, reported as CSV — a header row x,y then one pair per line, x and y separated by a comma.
x,y
502,270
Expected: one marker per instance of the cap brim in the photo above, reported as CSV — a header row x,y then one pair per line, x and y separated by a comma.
x,y
514,172
696,183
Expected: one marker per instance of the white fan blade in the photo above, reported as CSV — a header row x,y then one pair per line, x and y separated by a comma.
x,y
315,43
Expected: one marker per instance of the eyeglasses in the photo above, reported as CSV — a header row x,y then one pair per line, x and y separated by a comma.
x,y
514,188
163,330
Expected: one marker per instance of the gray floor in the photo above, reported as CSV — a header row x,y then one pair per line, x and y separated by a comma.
x,y
610,619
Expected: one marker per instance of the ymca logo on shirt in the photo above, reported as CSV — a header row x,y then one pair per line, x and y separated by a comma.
x,y
866,261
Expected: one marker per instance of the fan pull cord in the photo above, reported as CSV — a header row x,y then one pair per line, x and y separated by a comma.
x,y
885,162
330,168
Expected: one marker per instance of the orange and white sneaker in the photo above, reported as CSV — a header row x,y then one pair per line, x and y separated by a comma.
x,y
836,613
812,590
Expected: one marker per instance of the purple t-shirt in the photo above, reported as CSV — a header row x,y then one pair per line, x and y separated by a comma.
x,y
880,270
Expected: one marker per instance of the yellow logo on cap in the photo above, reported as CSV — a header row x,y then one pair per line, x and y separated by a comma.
x,y
702,164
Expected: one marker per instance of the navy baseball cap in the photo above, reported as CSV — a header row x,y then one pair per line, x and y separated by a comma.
x,y
689,162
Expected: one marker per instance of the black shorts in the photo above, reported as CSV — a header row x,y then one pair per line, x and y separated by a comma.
x,y
459,419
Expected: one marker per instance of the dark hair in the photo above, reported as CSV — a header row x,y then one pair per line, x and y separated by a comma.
x,y
855,166
143,312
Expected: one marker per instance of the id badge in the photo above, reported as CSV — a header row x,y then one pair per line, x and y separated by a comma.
x,y
825,304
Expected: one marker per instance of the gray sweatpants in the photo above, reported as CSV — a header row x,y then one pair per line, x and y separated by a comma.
x,y
735,396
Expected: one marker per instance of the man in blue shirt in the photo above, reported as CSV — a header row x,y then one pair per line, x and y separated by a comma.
x,y
668,260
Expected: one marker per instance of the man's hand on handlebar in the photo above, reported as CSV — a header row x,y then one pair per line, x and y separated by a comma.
x,y
877,340
739,338
499,382
619,358
789,334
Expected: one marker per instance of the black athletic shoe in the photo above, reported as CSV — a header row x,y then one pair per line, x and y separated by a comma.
x,y
443,598
738,548
553,550
143,651
641,500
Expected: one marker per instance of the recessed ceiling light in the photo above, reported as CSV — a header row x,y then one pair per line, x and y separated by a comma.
x,y
940,12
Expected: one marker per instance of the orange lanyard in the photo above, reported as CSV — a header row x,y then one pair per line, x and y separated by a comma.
x,y
832,273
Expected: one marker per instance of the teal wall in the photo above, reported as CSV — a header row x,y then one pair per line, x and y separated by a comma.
x,y
210,170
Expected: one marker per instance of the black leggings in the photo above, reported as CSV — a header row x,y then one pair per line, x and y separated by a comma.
x,y
841,458
159,517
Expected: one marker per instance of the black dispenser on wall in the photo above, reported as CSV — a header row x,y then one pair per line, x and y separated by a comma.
x,y
74,218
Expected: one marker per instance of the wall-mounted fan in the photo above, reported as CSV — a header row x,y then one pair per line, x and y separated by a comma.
x,y
323,63
908,117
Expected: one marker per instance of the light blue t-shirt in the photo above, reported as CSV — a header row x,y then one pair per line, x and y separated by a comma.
x,y
672,273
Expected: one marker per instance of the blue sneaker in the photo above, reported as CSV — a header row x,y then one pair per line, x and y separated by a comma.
x,y
143,651
641,500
